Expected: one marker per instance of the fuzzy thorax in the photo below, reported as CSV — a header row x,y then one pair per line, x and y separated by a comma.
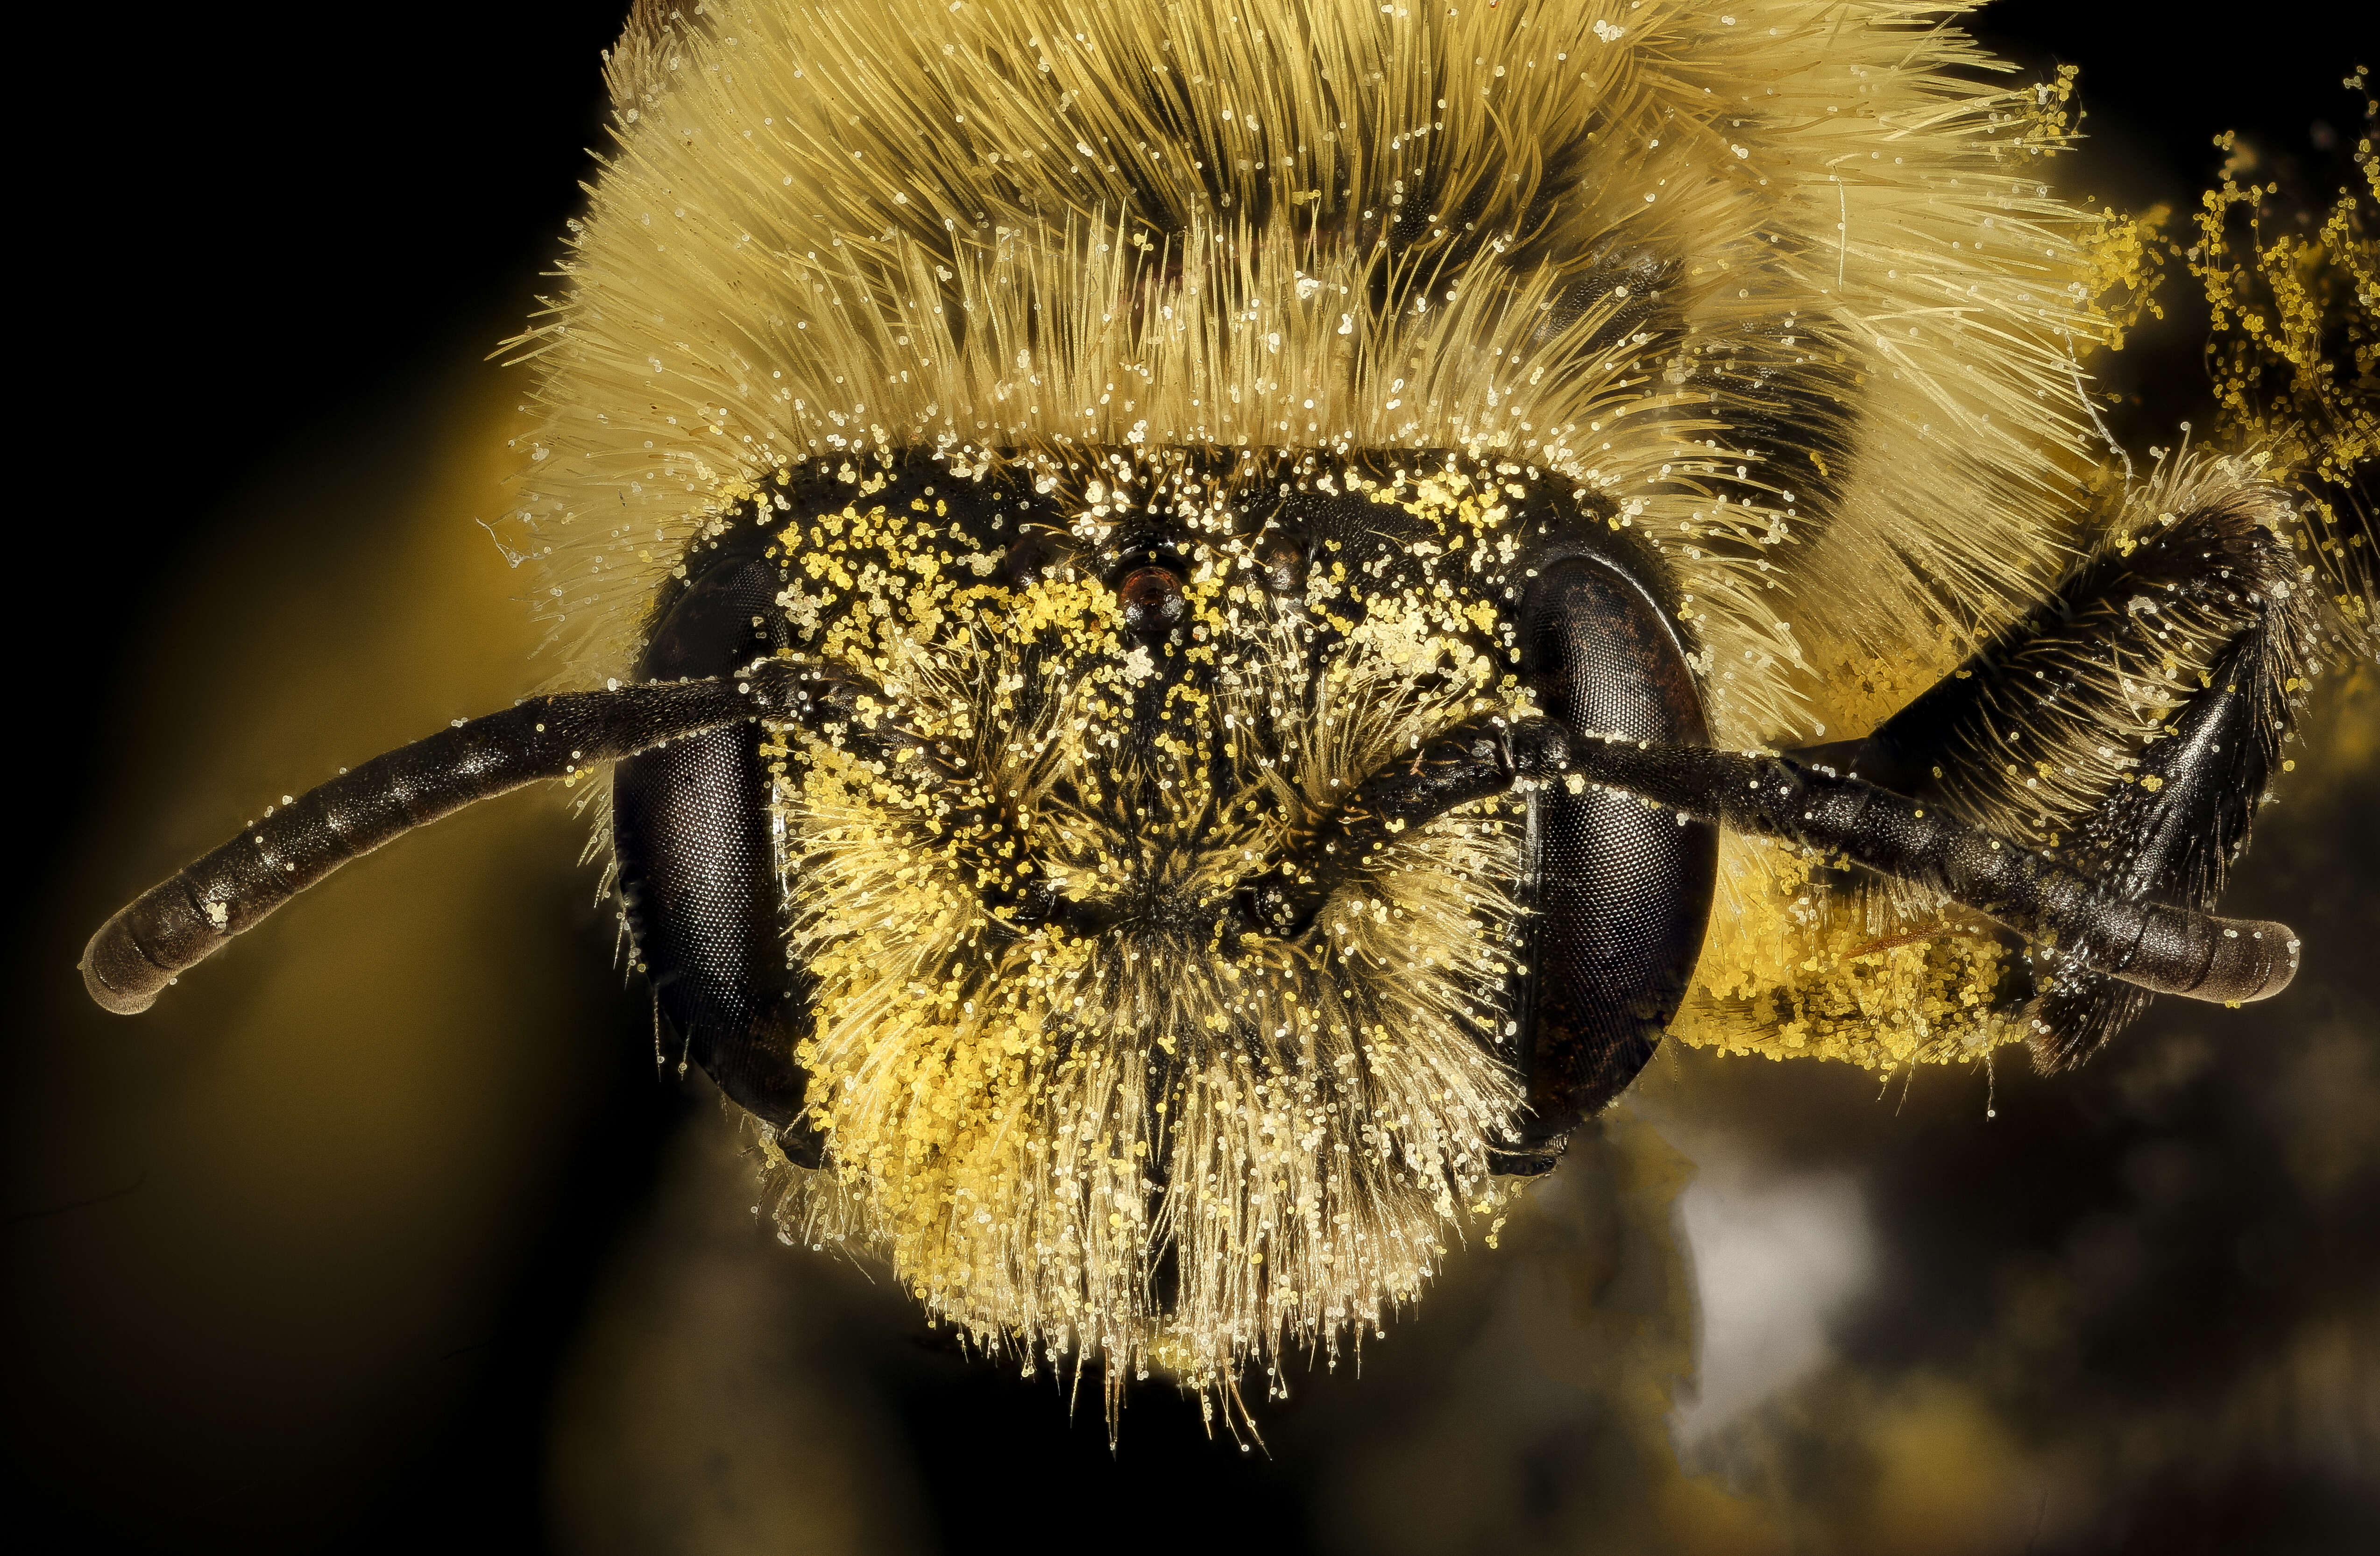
x,y
1784,281
1135,1131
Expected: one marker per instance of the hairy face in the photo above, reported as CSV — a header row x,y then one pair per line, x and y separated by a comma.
x,y
1064,1084
1070,1085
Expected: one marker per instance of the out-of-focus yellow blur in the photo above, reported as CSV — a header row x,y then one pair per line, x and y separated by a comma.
x,y
314,1162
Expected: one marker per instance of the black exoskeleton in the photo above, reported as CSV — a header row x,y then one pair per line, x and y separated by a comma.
x,y
697,864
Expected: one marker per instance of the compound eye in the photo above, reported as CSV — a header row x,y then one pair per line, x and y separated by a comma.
x,y
1031,558
1151,598
1280,557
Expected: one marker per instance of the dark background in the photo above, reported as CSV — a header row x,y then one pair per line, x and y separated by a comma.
x,y
382,1233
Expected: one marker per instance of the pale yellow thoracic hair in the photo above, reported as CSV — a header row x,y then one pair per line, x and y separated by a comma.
x,y
1015,230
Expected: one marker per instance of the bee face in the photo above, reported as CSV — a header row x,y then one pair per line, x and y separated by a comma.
x,y
1257,375
1049,995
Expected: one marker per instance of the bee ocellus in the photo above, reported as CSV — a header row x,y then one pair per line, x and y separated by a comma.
x,y
1212,619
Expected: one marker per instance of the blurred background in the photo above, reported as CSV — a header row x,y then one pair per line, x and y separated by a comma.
x,y
382,1232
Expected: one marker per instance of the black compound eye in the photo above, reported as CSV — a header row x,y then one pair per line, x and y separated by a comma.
x,y
1151,598
1033,557
1280,557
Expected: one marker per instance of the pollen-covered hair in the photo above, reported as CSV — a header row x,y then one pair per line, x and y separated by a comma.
x,y
1779,285
1783,278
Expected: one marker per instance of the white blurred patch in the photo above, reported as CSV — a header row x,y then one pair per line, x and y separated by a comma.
x,y
1773,1260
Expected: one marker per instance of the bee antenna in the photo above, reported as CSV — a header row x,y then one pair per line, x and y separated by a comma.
x,y
193,914
2152,946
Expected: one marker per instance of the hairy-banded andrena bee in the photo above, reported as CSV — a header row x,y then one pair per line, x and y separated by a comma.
x,y
1195,626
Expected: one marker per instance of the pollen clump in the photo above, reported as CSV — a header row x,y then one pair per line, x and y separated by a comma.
x,y
1803,971
2295,351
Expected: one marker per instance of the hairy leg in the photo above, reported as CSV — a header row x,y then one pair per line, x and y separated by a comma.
x,y
2129,724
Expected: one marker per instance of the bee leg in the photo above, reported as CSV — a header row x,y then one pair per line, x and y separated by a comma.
x,y
2132,722
698,865
2170,834
1619,893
